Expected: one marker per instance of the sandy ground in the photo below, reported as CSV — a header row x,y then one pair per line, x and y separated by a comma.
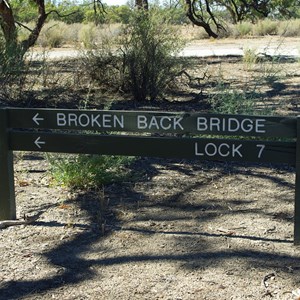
x,y
272,45
178,229
185,230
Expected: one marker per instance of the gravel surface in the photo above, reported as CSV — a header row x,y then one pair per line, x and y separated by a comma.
x,y
184,230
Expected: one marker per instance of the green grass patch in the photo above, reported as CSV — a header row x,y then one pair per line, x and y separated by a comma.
x,y
89,171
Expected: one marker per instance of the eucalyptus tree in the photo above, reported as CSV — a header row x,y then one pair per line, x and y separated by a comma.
x,y
9,24
206,13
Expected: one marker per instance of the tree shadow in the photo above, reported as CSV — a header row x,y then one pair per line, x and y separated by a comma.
x,y
68,256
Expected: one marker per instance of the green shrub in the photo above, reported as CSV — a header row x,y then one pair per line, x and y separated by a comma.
x,y
149,49
140,60
250,58
290,28
266,27
102,64
250,98
87,34
228,101
243,29
52,34
12,71
88,171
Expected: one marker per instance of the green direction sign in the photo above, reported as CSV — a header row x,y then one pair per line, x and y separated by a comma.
x,y
52,130
162,122
203,149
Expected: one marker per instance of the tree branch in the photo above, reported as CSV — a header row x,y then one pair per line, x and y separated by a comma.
x,y
30,41
98,4
54,11
198,19
26,221
7,23
24,26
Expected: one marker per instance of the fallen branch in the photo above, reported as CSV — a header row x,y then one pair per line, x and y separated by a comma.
x,y
26,221
226,231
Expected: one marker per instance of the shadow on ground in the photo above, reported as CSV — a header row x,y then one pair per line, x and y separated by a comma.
x,y
75,269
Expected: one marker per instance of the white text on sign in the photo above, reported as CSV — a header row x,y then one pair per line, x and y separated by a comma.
x,y
90,120
231,125
157,123
175,123
231,150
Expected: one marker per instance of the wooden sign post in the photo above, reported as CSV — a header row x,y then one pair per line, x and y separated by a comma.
x,y
48,130
7,193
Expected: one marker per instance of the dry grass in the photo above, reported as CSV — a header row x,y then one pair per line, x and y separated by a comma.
x,y
58,34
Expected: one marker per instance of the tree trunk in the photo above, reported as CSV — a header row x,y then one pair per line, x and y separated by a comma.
x,y
198,19
31,40
8,26
7,23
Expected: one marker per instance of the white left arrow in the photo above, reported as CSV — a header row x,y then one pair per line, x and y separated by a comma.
x,y
38,143
36,119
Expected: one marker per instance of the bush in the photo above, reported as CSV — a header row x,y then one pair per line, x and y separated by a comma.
x,y
12,71
52,34
250,58
149,49
249,101
228,101
140,60
289,28
87,35
266,27
250,98
243,29
102,64
88,171
71,33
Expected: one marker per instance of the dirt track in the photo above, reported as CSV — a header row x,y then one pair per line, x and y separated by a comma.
x,y
273,45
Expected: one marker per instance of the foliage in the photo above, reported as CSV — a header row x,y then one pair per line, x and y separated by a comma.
x,y
210,14
214,16
175,14
89,171
250,58
12,70
118,14
53,34
228,101
289,28
24,11
243,29
250,99
69,13
140,60
149,49
265,27
100,60
87,35
13,15
91,17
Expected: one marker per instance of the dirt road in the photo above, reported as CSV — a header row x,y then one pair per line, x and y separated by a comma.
x,y
273,45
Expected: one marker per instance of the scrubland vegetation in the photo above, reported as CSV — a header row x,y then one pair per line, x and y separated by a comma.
x,y
60,34
115,227
133,55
